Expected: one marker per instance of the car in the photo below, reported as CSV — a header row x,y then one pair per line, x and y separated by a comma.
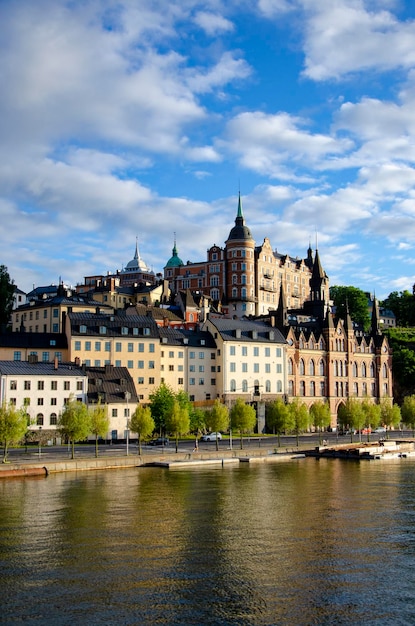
x,y
366,431
160,441
211,437
380,429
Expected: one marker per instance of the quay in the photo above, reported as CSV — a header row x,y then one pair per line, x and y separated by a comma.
x,y
366,451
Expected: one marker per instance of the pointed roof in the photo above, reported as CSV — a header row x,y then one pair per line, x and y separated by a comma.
x,y
240,230
318,272
175,260
137,264
375,323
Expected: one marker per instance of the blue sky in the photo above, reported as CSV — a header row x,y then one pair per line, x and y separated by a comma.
x,y
144,118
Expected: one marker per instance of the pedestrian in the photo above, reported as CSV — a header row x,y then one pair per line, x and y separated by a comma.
x,y
196,448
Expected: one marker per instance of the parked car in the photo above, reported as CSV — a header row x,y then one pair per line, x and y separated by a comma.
x,y
380,429
160,441
211,437
366,431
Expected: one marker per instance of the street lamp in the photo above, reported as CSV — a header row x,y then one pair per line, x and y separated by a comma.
x,y
127,395
40,441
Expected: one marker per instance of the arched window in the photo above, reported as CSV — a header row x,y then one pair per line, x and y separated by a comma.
x,y
321,367
363,370
233,386
322,388
312,388
372,370
243,293
244,279
234,279
384,370
311,368
355,369
214,281
39,419
53,420
301,367
214,294
290,366
385,389
268,386
245,386
291,387
302,388
234,292
364,389
355,389
336,368
279,386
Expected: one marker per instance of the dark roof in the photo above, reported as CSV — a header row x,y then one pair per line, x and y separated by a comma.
x,y
193,338
39,341
25,368
113,324
110,385
249,330
75,300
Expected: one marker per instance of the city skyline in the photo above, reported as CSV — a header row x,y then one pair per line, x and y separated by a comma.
x,y
145,119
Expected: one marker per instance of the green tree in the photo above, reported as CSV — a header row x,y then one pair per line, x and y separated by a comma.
x,y
403,306
100,422
242,418
408,412
277,417
178,421
13,426
217,419
7,289
390,414
75,422
372,415
354,300
300,417
142,423
161,404
351,415
197,420
320,416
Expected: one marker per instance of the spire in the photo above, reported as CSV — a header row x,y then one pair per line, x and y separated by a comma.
x,y
348,324
375,323
136,255
240,212
282,309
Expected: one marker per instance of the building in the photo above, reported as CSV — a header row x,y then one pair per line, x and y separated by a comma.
x,y
46,347
42,389
113,387
242,279
46,314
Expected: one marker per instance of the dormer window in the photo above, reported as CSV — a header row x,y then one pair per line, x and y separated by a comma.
x,y
82,328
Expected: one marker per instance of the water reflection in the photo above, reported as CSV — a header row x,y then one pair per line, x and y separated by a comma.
x,y
308,542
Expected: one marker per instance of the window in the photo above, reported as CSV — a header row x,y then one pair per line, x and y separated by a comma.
x,y
311,369
321,367
40,401
79,385
256,368
244,367
171,368
301,367
97,346
279,386
279,368
192,355
26,401
233,385
124,330
39,419
290,366
244,351
107,346
180,368
40,385
27,385
66,385
192,368
45,357
53,401
256,351
232,350
151,347
17,356
268,368
302,388
102,330
88,346
151,380
192,381
130,347
171,354
268,386
151,365
267,351
77,345
130,364
13,384
180,381
118,346
58,355
278,352
140,380
232,367
312,388
97,363
141,347
53,420
201,381
114,412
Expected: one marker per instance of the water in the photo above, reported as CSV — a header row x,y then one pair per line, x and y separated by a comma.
x,y
297,543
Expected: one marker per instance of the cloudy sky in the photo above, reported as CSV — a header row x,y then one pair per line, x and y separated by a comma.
x,y
125,119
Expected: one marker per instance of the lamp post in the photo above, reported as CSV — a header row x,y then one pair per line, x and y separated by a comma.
x,y
127,397
40,441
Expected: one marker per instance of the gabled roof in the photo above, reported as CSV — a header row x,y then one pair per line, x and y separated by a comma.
x,y
247,330
110,385
181,336
113,324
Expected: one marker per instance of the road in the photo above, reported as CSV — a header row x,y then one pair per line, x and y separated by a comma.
x,y
33,454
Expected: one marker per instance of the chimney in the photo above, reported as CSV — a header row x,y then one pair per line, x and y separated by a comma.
x,y
55,363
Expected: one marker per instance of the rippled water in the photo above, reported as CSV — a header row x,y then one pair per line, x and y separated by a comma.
x,y
305,542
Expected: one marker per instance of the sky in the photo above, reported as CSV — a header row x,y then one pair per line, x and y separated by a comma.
x,y
142,120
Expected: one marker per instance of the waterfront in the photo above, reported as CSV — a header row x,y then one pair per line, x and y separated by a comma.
x,y
298,542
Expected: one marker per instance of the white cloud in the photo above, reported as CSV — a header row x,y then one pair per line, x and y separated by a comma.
x,y
213,24
344,36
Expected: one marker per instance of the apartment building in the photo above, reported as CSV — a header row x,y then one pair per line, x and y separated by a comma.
x,y
131,341
42,389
